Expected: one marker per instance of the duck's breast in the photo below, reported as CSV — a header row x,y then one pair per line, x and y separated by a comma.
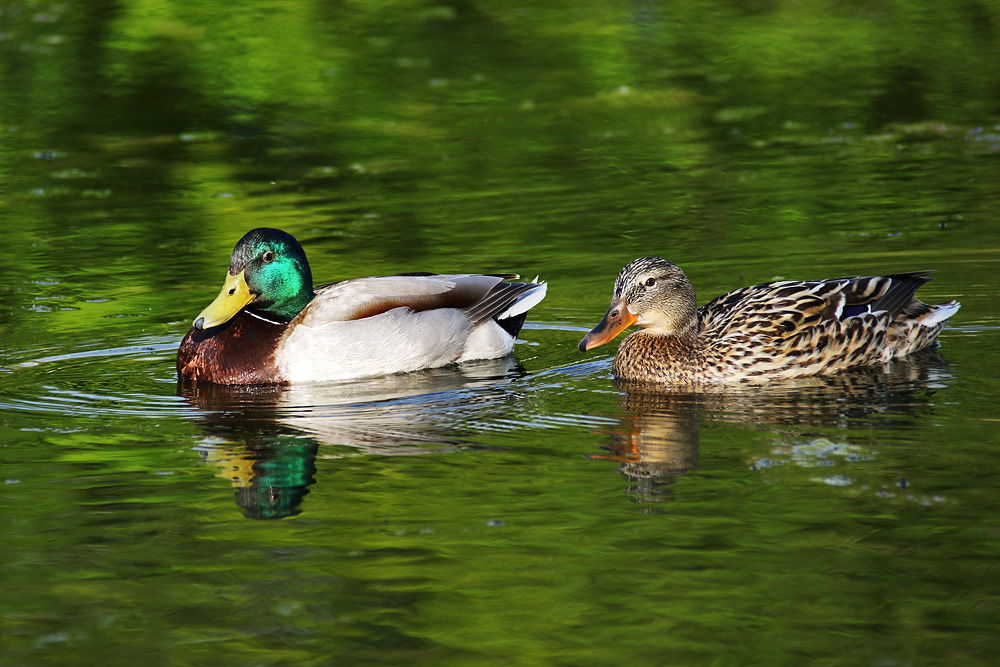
x,y
240,351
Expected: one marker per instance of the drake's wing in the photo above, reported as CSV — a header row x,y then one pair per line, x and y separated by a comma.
x,y
367,297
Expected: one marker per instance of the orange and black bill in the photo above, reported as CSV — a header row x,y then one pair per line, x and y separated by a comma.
x,y
617,319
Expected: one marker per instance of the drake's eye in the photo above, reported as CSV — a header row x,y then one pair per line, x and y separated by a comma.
x,y
268,257
650,282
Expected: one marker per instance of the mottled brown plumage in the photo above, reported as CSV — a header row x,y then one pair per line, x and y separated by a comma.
x,y
781,329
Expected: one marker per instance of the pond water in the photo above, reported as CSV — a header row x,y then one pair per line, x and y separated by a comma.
x,y
528,510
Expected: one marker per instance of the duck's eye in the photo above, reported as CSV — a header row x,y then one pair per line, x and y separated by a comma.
x,y
268,257
650,282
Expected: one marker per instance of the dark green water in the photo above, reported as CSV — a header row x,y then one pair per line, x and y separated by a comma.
x,y
526,511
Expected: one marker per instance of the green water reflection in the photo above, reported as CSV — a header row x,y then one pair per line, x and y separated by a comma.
x,y
528,511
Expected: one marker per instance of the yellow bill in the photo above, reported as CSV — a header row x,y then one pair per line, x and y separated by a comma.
x,y
234,295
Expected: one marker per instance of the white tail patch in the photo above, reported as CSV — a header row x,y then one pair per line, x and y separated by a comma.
x,y
940,313
526,302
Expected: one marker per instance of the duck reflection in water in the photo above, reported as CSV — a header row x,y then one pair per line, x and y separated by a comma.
x,y
266,438
271,470
658,439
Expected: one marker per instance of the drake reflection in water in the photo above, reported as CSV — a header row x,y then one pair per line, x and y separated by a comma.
x,y
265,438
658,439
270,479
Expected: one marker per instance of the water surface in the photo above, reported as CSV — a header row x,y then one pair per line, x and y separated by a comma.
x,y
529,510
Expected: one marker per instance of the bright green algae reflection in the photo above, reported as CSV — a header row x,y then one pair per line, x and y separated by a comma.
x,y
529,510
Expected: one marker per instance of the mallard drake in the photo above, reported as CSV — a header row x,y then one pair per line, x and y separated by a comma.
x,y
270,325
781,329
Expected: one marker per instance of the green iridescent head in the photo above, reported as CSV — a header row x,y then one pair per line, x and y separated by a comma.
x,y
268,275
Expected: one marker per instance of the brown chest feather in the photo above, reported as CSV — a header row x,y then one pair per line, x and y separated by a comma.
x,y
241,351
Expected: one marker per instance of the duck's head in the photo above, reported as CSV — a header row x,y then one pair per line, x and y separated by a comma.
x,y
650,292
268,275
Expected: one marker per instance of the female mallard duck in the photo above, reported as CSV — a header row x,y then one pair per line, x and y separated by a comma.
x,y
781,329
268,324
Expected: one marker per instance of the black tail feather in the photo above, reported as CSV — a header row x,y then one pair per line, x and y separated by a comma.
x,y
512,325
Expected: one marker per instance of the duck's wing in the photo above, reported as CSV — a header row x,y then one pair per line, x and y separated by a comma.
x,y
807,327
366,297
793,303
892,293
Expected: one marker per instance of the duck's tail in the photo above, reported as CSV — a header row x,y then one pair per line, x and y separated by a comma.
x,y
508,304
918,326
